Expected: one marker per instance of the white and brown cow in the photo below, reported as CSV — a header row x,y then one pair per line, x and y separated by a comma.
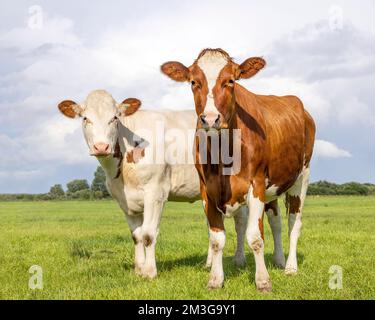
x,y
140,186
277,138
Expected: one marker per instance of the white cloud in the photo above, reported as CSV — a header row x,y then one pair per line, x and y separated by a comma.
x,y
314,101
317,52
326,149
54,31
56,141
355,112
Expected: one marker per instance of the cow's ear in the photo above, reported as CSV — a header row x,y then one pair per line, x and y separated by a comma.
x,y
70,109
250,67
129,106
176,71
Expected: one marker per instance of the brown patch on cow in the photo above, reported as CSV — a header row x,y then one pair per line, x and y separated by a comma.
x,y
147,240
215,247
134,239
135,155
216,229
272,206
261,227
309,138
256,245
118,154
294,204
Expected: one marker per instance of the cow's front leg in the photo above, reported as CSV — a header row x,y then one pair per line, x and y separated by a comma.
x,y
135,224
217,243
240,221
153,207
255,236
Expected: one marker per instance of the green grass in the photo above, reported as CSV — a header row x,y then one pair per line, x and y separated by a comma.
x,y
86,252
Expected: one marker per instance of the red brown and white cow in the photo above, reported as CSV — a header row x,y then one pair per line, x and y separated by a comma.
x,y
277,138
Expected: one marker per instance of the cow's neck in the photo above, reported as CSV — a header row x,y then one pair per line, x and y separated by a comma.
x,y
221,184
218,183
112,164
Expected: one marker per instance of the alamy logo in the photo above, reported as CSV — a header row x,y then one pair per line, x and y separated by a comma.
x,y
336,278
36,280
336,18
35,20
175,146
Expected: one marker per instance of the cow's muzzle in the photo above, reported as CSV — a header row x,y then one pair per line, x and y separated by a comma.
x,y
101,149
210,120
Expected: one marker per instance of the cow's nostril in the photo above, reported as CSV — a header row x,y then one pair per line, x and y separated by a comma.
x,y
203,118
106,148
217,121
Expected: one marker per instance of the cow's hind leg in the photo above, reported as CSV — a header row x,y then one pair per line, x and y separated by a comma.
x,y
240,221
209,251
135,224
153,207
274,218
295,199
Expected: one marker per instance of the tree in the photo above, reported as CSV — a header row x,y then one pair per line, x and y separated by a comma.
x,y
77,185
354,188
56,191
98,184
82,194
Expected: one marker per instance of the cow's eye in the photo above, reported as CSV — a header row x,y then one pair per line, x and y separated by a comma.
x,y
113,119
86,120
195,84
230,83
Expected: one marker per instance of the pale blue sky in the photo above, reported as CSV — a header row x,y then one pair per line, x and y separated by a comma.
x,y
323,51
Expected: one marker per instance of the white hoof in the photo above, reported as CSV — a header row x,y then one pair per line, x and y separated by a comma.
x,y
149,273
215,283
138,270
264,286
290,271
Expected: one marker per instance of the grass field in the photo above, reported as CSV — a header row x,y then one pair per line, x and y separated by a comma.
x,y
86,252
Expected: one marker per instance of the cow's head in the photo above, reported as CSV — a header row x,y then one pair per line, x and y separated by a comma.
x,y
100,114
212,77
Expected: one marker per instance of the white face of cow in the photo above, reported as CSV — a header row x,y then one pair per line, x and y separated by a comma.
x,y
211,64
99,115
100,123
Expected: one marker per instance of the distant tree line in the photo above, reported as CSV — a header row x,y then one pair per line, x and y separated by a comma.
x,y
325,188
75,190
81,190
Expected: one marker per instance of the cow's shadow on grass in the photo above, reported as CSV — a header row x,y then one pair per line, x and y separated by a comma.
x,y
231,270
